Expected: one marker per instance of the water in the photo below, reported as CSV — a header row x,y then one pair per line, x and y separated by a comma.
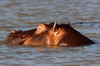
x,y
26,14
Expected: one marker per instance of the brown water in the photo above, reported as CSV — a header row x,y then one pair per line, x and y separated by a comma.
x,y
26,14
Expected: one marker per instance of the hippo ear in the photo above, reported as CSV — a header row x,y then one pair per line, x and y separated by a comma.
x,y
54,26
68,23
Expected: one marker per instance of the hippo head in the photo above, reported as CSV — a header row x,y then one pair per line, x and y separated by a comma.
x,y
21,37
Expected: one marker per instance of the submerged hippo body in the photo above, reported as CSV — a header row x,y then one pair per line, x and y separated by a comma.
x,y
52,34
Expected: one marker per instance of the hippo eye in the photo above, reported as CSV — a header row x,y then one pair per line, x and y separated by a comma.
x,y
39,28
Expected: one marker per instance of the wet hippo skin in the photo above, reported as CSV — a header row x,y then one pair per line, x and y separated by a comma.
x,y
50,34
19,36
39,38
68,36
59,35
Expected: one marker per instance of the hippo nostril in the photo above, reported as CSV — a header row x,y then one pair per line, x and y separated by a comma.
x,y
13,31
16,31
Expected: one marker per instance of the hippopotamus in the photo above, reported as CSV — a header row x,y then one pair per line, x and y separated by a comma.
x,y
52,34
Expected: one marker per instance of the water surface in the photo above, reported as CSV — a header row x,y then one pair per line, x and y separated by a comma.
x,y
84,16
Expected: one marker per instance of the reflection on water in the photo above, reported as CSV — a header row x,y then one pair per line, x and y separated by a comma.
x,y
26,14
